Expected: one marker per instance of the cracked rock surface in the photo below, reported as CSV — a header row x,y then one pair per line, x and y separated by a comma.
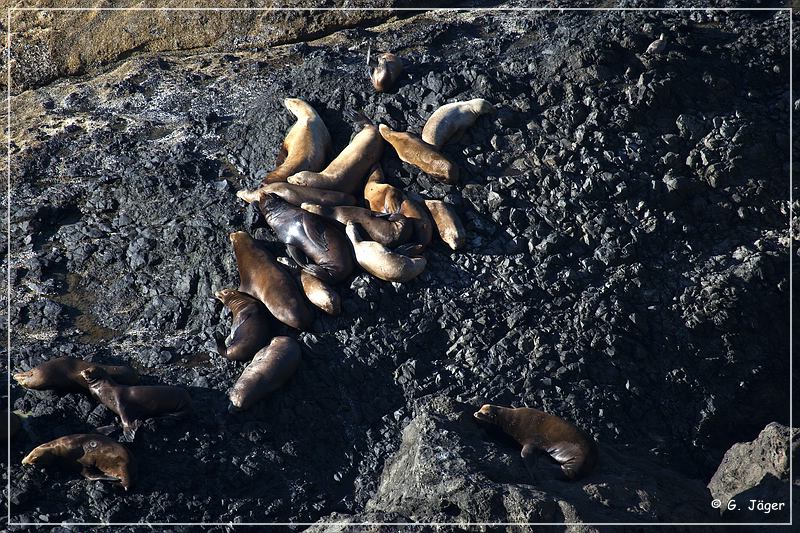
x,y
626,268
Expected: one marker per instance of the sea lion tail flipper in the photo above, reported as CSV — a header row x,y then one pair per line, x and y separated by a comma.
x,y
319,272
297,255
315,230
357,117
410,249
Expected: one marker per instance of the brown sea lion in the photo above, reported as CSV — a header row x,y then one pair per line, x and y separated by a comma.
x,y
381,262
539,432
416,152
306,146
447,222
269,370
309,237
297,194
319,293
136,403
346,172
451,120
380,196
63,375
250,326
97,457
386,72
414,209
262,277
389,229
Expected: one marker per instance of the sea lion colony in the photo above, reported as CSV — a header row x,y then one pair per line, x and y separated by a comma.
x,y
328,216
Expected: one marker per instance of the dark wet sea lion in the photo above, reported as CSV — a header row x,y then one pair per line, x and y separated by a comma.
x,y
97,457
63,375
298,194
380,196
425,157
262,277
250,329
136,403
451,230
451,120
387,72
347,171
318,240
539,432
389,229
306,146
381,262
269,370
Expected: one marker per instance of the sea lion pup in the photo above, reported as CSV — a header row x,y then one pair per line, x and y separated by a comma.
x,y
385,74
63,375
250,326
297,194
450,121
346,172
422,155
306,145
381,262
539,432
136,403
447,222
317,291
262,277
380,196
389,229
97,457
309,237
270,368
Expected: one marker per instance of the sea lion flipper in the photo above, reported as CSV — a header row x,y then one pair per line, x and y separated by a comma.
x,y
297,255
282,154
315,231
409,250
92,474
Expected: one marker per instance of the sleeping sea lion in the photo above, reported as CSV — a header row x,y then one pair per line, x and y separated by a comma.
x,y
97,456
262,277
540,432
451,120
269,370
250,326
451,230
422,155
63,375
346,172
380,196
389,229
309,237
381,262
386,72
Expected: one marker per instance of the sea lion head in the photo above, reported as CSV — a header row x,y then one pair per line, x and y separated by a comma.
x,y
30,379
488,413
224,295
93,374
480,106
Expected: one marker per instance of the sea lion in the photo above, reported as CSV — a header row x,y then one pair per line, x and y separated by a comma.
x,y
250,326
317,291
309,237
297,194
451,120
262,277
539,432
386,72
270,368
346,172
447,222
63,375
381,262
380,196
97,456
422,155
306,145
414,209
136,403
389,229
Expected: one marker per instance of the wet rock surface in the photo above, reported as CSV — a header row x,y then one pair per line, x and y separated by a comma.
x,y
626,266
